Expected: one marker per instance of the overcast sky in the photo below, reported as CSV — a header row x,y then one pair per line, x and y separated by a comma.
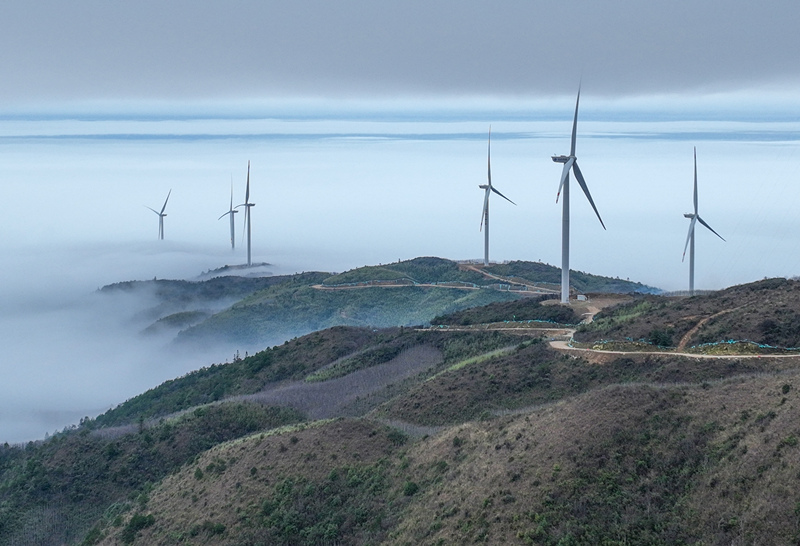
x,y
212,50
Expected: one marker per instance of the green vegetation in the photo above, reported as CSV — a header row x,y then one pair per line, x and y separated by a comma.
x,y
526,309
293,360
178,321
268,310
762,313
501,439
420,270
537,272
302,358
286,310
77,475
349,503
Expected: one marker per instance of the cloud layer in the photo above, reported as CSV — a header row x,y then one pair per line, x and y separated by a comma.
x,y
222,50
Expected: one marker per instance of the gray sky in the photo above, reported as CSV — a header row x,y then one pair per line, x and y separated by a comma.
x,y
155,50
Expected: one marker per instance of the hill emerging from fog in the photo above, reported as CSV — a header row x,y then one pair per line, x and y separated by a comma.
x,y
476,429
256,312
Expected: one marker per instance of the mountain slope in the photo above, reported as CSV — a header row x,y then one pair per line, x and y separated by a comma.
x,y
251,313
634,464
765,312
493,436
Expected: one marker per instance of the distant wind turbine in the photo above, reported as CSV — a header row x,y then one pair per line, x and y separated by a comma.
x,y
694,217
247,204
161,216
489,189
570,162
231,212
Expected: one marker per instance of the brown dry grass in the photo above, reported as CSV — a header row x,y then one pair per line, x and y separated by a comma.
x,y
712,462
183,500
742,488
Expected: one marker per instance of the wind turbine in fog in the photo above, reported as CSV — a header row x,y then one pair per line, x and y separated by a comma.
x,y
570,162
489,189
161,216
231,212
694,217
247,204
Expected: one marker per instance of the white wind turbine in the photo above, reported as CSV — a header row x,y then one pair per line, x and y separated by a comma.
x,y
489,189
231,212
570,162
694,217
161,216
247,204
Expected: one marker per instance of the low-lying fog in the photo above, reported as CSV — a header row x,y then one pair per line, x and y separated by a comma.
x,y
70,351
332,195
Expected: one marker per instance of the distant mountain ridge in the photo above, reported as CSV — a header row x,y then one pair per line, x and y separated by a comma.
x,y
256,312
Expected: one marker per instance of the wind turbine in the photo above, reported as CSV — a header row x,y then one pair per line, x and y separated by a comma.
x,y
247,204
694,217
231,212
570,162
161,216
489,189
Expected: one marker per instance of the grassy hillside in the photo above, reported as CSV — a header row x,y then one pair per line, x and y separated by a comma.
x,y
289,310
634,464
318,356
53,492
765,313
528,309
420,270
255,312
494,437
537,272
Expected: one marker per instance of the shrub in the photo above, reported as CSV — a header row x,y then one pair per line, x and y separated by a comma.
x,y
136,524
410,488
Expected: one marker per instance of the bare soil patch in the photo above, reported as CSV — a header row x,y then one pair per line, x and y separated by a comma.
x,y
322,400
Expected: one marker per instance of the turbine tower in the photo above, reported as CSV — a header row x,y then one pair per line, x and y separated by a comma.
x,y
489,189
694,217
247,204
161,216
570,162
231,212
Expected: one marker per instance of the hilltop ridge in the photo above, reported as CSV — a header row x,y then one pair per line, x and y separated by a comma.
x,y
251,313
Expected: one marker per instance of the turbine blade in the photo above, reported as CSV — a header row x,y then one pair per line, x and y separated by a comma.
x,y
709,227
695,181
688,236
503,196
224,215
231,192
485,207
489,156
154,210
585,189
564,175
247,193
575,123
165,201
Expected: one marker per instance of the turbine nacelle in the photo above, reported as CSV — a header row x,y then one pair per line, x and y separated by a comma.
x,y
561,158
